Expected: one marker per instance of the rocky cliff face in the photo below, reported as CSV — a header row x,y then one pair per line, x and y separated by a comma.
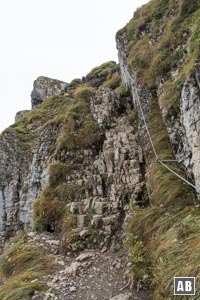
x,y
43,88
181,121
110,176
79,164
183,128
188,154
159,66
24,171
189,108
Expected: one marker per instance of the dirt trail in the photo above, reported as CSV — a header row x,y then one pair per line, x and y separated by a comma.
x,y
91,275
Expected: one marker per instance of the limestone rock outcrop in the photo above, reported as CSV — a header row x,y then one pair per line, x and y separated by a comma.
x,y
190,121
182,126
81,164
111,175
24,171
43,88
20,114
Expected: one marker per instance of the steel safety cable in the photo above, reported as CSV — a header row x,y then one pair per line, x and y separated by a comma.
x,y
197,188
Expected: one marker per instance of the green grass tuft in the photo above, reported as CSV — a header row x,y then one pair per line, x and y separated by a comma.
x,y
172,238
22,269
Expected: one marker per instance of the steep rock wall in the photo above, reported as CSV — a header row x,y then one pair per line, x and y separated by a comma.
x,y
190,120
182,127
138,93
110,176
24,171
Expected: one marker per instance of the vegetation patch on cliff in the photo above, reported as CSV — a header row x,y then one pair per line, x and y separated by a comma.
x,y
80,129
79,132
106,75
163,42
51,209
52,109
23,133
163,49
169,227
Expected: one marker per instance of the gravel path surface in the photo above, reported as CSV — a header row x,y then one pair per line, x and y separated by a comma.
x,y
91,275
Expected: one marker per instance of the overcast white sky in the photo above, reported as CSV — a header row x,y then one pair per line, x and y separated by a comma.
x,y
60,39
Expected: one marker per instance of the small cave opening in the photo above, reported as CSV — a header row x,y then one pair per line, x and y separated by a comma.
x,y
49,228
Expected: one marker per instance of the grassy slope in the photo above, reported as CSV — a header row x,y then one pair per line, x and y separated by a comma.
x,y
169,229
22,269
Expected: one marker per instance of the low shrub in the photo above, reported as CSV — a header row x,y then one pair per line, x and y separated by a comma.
x,y
80,129
67,235
99,75
75,83
133,117
113,82
57,173
84,92
140,264
170,98
122,91
47,214
188,7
